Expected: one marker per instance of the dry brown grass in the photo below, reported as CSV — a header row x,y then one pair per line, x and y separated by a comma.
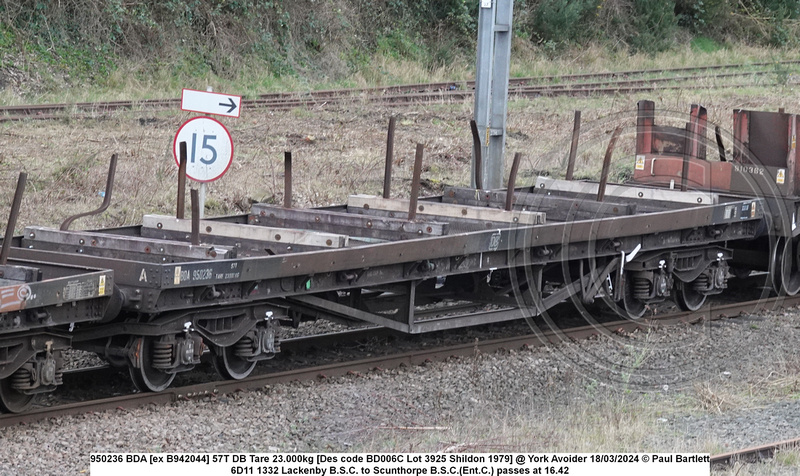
x,y
337,151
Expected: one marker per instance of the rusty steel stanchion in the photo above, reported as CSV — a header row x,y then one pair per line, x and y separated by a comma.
x,y
573,148
601,190
687,154
476,147
720,145
512,180
287,179
12,218
412,205
181,181
195,217
112,170
387,173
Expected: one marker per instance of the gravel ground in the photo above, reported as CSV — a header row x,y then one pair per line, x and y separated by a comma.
x,y
707,387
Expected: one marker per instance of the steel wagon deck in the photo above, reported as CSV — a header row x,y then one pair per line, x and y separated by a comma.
x,y
361,276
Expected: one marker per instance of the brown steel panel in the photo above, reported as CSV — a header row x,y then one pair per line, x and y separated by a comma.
x,y
759,180
692,132
702,174
668,140
697,135
769,134
741,138
644,125
702,127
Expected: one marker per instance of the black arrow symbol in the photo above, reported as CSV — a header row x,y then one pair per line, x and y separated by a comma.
x,y
231,105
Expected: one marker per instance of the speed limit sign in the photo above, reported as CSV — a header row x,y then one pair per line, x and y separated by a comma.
x,y
209,148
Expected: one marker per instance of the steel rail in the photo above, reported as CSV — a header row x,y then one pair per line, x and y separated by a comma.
x,y
422,98
421,87
536,339
753,454
300,99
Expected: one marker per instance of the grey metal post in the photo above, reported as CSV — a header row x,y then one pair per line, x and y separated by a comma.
x,y
491,87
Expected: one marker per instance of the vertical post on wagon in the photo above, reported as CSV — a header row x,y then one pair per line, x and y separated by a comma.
x,y
491,88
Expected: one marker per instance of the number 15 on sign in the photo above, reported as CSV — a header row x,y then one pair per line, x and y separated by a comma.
x,y
209,148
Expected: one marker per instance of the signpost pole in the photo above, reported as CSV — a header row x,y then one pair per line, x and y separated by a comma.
x,y
491,88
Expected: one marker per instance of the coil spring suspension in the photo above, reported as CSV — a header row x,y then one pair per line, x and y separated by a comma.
x,y
642,288
702,283
244,347
162,354
21,379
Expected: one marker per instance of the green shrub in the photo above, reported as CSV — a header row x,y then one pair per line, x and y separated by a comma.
x,y
654,25
706,17
562,21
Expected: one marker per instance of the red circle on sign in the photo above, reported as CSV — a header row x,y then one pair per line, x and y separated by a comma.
x,y
208,174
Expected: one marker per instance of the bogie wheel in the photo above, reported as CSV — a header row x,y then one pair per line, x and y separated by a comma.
x,y
146,378
12,401
788,266
687,298
230,366
633,307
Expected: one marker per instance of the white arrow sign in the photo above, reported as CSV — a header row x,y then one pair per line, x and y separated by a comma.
x,y
211,103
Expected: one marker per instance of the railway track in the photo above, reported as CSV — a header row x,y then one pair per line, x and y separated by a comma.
x,y
566,85
414,357
753,454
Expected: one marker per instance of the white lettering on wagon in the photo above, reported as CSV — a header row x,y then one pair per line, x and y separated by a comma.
x,y
494,241
202,274
750,169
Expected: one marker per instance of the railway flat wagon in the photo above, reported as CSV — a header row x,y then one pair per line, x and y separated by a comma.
x,y
228,283
464,258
